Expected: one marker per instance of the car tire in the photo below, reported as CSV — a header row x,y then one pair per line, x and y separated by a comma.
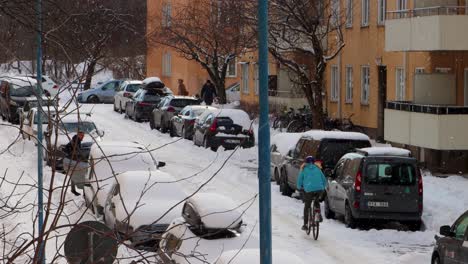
x,y
436,259
215,149
120,108
349,219
135,117
151,124
183,133
284,187
172,131
415,226
205,142
329,214
163,127
277,177
93,100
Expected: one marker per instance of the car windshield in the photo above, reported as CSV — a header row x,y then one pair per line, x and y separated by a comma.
x,y
73,127
331,150
183,102
386,173
22,91
198,112
132,88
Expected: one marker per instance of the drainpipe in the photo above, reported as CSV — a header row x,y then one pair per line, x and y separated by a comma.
x,y
405,67
340,114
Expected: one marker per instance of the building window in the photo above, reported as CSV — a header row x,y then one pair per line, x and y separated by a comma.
x,y
256,79
335,83
349,13
166,15
167,64
365,84
400,84
419,70
442,70
231,68
349,84
402,6
245,78
382,6
365,13
335,12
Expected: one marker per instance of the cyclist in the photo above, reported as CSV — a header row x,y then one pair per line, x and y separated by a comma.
x,y
311,183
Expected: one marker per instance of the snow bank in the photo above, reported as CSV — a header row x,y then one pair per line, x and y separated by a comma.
x,y
216,211
387,151
252,256
285,141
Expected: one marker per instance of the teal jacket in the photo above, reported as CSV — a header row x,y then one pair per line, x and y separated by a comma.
x,y
311,179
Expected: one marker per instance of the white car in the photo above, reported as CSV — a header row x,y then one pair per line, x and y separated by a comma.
x,y
49,87
252,256
210,225
29,120
108,159
140,205
233,93
124,94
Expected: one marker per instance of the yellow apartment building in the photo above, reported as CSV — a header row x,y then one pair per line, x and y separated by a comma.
x,y
403,75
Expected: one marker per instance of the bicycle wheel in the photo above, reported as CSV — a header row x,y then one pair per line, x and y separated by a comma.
x,y
311,220
315,225
294,126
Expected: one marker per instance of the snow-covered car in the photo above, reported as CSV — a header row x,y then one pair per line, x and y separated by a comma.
x,y
49,87
125,93
101,94
210,225
224,127
452,245
233,93
281,143
252,256
168,108
140,205
182,124
108,159
30,119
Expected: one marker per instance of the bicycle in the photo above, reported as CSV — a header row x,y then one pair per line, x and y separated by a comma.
x,y
314,219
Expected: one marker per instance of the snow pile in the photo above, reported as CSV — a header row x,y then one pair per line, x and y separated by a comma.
x,y
285,141
252,256
387,151
216,211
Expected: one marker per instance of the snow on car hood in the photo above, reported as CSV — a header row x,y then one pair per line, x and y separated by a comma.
x,y
216,211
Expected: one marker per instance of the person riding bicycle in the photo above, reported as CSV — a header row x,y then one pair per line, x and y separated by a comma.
x,y
311,183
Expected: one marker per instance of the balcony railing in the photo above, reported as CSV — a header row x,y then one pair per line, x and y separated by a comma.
x,y
427,11
427,109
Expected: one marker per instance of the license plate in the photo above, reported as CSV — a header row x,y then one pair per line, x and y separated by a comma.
x,y
233,141
377,204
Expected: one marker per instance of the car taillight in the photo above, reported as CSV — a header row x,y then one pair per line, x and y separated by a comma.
x,y
55,87
356,204
192,122
143,104
420,184
358,182
170,109
127,94
214,126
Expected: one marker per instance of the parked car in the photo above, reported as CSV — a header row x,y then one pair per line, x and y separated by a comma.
x,y
281,144
452,246
101,94
109,159
140,205
124,94
15,92
141,105
252,256
326,146
183,123
233,93
68,126
168,108
210,224
378,184
30,119
50,88
224,127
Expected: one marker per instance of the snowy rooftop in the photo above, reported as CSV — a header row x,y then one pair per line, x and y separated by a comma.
x,y
322,134
216,211
386,151
252,256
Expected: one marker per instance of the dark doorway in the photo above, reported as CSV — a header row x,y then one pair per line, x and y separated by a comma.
x,y
382,102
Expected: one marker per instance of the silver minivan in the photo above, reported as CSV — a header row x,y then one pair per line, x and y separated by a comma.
x,y
376,184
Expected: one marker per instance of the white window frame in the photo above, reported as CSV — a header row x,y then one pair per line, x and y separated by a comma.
x,y
401,6
349,14
442,70
400,84
349,84
335,7
167,64
166,15
256,79
382,10
365,84
245,78
335,84
365,13
232,64
419,70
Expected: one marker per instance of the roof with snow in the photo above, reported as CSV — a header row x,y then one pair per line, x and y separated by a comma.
x,y
322,134
216,211
385,151
239,117
252,256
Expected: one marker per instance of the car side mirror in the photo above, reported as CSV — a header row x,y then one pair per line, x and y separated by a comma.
x,y
446,231
161,164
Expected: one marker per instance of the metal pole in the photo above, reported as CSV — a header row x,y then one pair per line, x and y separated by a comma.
x,y
264,177
39,132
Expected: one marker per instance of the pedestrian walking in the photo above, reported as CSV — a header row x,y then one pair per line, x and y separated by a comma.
x,y
73,157
208,93
182,90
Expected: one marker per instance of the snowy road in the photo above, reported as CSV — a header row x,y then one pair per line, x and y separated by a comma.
x,y
445,199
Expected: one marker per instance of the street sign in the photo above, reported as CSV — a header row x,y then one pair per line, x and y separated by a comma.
x,y
91,242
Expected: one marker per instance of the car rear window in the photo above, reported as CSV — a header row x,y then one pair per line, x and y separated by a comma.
x,y
383,173
73,127
331,150
23,91
183,102
132,88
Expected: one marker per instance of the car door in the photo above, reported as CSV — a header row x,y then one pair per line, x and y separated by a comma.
x,y
345,181
109,92
332,190
460,239
130,105
294,163
118,97
464,249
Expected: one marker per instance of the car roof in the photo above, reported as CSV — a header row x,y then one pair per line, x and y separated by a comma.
x,y
322,134
182,97
384,151
134,82
239,116
20,80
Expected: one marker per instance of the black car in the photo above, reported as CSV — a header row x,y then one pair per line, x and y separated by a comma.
x,y
169,107
378,184
224,127
143,102
15,93
452,247
182,124
326,146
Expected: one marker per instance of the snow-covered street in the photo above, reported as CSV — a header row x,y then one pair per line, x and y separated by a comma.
x,y
444,198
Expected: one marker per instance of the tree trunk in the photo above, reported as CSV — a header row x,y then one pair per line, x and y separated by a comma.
x,y
221,90
89,74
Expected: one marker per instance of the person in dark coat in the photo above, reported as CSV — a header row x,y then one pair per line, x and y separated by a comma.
x,y
72,152
181,89
208,92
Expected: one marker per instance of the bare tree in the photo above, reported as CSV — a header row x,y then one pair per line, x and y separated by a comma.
x,y
212,33
304,36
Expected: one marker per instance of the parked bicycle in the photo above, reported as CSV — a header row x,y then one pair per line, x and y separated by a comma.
x,y
281,122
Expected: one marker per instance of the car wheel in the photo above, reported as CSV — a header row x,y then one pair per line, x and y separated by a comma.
x,y
435,259
329,214
151,124
415,226
135,116
120,108
205,142
163,126
214,148
284,187
277,177
184,136
350,221
93,99
172,132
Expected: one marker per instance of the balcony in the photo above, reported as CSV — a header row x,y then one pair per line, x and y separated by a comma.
x,y
439,28
428,126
